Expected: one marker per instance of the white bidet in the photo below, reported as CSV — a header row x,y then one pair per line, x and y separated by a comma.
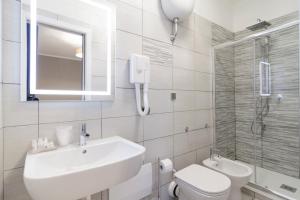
x,y
238,173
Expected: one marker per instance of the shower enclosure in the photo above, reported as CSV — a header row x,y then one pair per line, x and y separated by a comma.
x,y
256,100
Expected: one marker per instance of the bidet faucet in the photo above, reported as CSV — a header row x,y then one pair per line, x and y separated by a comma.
x,y
212,153
83,135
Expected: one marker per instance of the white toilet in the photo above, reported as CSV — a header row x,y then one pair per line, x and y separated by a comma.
x,y
196,182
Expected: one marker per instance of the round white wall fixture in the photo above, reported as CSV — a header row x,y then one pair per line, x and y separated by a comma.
x,y
177,10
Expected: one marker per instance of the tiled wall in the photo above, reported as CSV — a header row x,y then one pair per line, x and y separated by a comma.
x,y
277,148
224,93
175,129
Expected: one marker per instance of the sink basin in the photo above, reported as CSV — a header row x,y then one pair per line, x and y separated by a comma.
x,y
73,172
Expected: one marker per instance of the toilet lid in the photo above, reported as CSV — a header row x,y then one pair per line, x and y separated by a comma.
x,y
203,179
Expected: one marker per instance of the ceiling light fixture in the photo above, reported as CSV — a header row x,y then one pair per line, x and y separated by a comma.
x,y
78,52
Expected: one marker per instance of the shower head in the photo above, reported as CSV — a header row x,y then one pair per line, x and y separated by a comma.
x,y
259,25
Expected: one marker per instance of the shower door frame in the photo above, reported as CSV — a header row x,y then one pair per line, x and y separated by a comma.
x,y
250,38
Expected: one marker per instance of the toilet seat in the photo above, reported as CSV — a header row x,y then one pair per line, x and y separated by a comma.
x,y
203,181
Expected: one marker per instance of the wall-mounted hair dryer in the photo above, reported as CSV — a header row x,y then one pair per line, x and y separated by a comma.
x,y
140,77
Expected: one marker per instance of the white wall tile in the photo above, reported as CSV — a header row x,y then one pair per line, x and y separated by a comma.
x,y
1,186
124,104
156,27
161,147
185,38
204,117
183,58
127,127
14,188
185,160
160,53
158,125
153,6
202,154
203,63
191,141
185,100
203,81
11,20
184,143
1,155
127,44
189,22
16,113
1,106
129,18
203,27
160,101
68,111
203,100
186,119
122,74
93,128
17,142
202,44
184,79
135,3
11,62
161,77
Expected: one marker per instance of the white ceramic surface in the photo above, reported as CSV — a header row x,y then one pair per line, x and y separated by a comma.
x,y
273,181
73,172
238,173
200,183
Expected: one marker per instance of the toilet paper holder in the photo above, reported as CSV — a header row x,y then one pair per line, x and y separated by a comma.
x,y
160,171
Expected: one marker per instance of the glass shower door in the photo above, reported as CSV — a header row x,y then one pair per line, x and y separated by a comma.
x,y
257,112
277,112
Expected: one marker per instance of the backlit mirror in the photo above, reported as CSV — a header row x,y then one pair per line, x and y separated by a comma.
x,y
68,49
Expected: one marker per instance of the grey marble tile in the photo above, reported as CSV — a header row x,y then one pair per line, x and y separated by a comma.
x,y
244,99
225,115
224,83
224,62
244,52
224,99
275,22
220,34
225,139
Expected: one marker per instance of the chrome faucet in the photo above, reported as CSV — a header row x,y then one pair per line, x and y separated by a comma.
x,y
212,153
83,135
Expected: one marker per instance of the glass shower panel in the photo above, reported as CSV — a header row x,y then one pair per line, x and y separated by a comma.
x,y
234,101
224,102
257,108
278,113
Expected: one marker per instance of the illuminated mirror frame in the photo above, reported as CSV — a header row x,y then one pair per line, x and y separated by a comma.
x,y
111,28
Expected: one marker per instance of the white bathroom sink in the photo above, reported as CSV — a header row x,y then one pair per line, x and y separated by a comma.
x,y
73,172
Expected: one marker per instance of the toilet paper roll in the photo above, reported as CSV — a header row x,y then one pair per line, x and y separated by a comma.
x,y
173,189
166,166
